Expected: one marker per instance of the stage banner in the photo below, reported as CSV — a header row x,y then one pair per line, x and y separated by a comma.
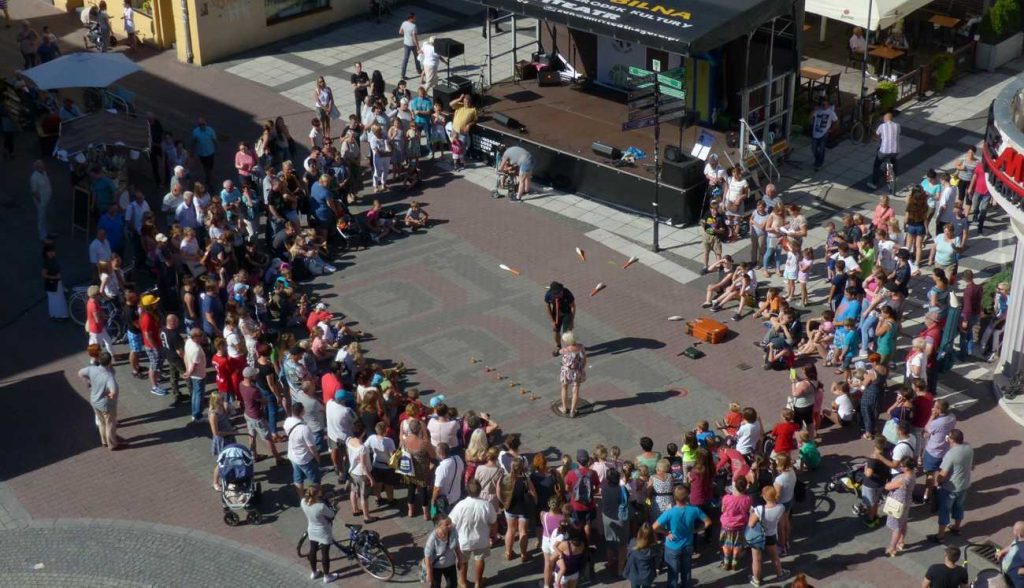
x,y
678,26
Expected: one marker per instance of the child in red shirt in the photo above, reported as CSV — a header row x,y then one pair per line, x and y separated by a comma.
x,y
222,366
785,434
732,420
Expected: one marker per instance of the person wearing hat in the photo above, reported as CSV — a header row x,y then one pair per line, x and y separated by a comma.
x,y
561,306
149,325
255,422
320,314
582,484
714,230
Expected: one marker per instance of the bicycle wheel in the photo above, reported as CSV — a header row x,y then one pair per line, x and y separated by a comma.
x,y
117,331
374,560
303,546
858,133
77,307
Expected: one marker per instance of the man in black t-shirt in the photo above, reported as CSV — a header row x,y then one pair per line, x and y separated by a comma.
x,y
714,231
876,474
173,351
562,310
360,87
947,574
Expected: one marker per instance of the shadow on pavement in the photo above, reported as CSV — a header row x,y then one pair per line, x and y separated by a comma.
x,y
623,345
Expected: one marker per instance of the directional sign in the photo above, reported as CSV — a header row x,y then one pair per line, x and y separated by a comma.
x,y
649,102
636,71
665,80
681,94
640,123
663,109
673,115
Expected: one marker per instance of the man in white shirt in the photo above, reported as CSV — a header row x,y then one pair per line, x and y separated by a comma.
x,y
42,190
301,450
133,217
472,519
857,41
888,136
340,423
821,122
430,61
946,203
905,446
411,43
187,214
99,249
195,371
447,478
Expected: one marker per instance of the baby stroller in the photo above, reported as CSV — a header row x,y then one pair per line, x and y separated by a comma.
x,y
353,232
93,36
849,479
239,489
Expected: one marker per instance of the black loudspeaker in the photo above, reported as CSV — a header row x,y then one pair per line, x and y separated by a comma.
x,y
682,173
444,94
548,78
673,154
448,48
606,150
465,85
507,121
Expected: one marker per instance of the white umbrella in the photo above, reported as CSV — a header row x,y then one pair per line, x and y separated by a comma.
x,y
82,70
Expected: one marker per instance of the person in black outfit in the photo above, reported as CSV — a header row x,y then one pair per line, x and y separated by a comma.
x,y
360,88
946,574
173,350
562,310
156,153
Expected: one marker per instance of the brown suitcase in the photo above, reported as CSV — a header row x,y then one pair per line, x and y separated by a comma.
x,y
525,70
708,330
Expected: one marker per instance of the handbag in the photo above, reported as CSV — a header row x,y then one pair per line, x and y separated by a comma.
x,y
395,460
893,508
755,536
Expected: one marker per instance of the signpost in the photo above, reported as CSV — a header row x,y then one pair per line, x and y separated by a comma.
x,y
662,91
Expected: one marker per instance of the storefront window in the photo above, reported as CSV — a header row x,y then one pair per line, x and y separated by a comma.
x,y
146,7
278,10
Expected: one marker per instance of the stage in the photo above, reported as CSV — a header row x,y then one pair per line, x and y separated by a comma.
x,y
562,122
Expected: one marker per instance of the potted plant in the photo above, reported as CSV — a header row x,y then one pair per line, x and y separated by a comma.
x,y
1000,38
887,93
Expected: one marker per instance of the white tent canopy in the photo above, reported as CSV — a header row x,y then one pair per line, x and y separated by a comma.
x,y
884,13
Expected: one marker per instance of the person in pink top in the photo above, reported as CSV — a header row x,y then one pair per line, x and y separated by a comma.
x,y
981,199
735,508
244,162
883,213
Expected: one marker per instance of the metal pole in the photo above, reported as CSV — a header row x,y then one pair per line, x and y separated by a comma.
x,y
490,52
187,31
515,43
657,161
864,66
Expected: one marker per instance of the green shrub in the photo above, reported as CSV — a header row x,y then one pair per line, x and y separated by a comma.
x,y
1002,20
942,67
887,93
989,287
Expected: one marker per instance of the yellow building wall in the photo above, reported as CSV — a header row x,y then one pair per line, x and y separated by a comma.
x,y
220,28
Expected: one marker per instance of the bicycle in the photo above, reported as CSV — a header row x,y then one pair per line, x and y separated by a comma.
x,y
362,545
889,172
78,301
868,116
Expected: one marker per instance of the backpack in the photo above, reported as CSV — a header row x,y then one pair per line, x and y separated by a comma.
x,y
583,489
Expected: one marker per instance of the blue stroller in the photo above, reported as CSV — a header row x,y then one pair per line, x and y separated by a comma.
x,y
239,491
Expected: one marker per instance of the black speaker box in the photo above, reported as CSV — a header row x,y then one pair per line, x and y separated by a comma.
x,y
507,121
683,173
548,78
673,154
462,83
444,94
606,150
448,48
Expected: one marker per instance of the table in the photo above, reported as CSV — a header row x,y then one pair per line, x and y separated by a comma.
x,y
946,22
812,74
807,27
886,54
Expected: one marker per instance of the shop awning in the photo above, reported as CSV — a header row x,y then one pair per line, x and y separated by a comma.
x,y
884,13
678,26
103,129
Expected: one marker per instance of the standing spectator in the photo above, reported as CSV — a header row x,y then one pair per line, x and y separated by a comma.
x,y
765,519
326,111
360,472
204,145
149,325
1012,557
901,489
195,371
821,122
442,556
430,62
172,346
103,397
875,477
582,485
302,451
932,335
573,372
410,43
970,314
735,510
678,523
96,320
53,284
48,49
517,499
642,560
448,482
99,248
319,523
888,136
615,518
758,233
944,205
255,421
947,574
222,432
27,39
936,434
472,519
953,479
714,231
42,191
982,198
360,88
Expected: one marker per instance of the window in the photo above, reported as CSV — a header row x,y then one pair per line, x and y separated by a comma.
x,y
278,10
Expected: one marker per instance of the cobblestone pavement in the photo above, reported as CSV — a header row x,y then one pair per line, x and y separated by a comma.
x,y
432,300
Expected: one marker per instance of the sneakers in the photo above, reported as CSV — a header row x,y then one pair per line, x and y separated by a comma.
x,y
314,575
737,316
158,391
754,581
330,578
706,305
874,523
783,574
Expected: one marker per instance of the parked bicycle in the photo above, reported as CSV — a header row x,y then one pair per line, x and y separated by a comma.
x,y
362,545
868,114
78,300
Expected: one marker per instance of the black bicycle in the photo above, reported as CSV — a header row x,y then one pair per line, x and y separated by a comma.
x,y
364,546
